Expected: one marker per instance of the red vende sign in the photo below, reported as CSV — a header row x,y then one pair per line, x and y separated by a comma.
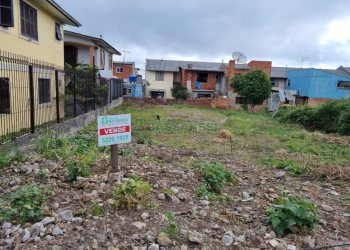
x,y
114,130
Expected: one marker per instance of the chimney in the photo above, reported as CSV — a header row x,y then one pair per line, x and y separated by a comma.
x,y
231,68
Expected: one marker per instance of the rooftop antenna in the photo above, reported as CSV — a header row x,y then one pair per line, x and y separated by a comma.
x,y
239,57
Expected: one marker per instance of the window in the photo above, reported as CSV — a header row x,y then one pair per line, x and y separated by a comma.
x,y
44,90
288,83
159,76
6,13
102,58
29,22
4,96
343,85
240,100
110,61
119,69
202,77
58,32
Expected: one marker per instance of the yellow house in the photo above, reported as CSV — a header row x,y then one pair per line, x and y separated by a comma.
x,y
31,64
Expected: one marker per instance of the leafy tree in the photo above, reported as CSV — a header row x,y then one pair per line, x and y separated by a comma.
x,y
254,86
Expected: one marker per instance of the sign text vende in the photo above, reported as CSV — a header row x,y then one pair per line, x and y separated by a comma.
x,y
114,130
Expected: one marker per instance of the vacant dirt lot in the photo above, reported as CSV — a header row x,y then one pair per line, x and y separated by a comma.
x,y
266,157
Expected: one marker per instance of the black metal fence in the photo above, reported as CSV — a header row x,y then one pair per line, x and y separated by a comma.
x,y
35,94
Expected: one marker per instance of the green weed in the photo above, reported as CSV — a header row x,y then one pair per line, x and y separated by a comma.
x,y
9,155
130,194
294,167
27,204
96,210
171,228
292,214
224,199
216,175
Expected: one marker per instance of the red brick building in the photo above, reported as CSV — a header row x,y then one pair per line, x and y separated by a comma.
x,y
122,70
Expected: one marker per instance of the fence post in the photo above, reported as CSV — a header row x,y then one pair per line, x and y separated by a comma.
x,y
74,96
57,98
31,99
94,81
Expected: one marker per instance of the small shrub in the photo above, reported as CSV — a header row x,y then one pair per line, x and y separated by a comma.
x,y
96,210
294,167
78,166
292,214
43,173
9,155
27,204
202,191
216,175
144,140
343,124
171,228
132,193
179,92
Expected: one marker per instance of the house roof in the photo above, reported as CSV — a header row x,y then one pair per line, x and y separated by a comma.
x,y
173,66
98,41
121,62
345,70
281,72
57,11
335,72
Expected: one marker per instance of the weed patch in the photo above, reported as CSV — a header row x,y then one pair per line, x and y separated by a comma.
x,y
131,193
294,167
9,155
27,204
292,214
216,175
171,228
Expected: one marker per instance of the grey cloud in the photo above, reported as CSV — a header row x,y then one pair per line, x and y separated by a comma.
x,y
277,30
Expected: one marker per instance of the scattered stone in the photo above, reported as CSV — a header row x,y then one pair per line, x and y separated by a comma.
x,y
175,190
183,247
55,247
346,215
175,200
333,193
274,243
245,195
57,231
163,239
48,220
228,238
161,197
181,197
281,175
205,202
26,235
153,246
139,225
291,247
196,237
309,242
203,213
327,208
6,225
145,216
94,244
240,239
37,239
66,215
8,243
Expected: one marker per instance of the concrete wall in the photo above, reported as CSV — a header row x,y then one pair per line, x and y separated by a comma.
x,y
315,83
165,85
70,127
47,48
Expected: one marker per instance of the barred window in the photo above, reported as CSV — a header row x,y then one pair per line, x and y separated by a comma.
x,y
4,96
343,85
44,90
58,32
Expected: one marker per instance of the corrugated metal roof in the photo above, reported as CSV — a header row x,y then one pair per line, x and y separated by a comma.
x,y
280,72
173,66
335,72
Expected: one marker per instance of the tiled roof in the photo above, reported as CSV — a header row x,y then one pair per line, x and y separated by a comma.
x,y
173,66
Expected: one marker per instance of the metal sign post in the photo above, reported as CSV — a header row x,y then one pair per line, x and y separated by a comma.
x,y
114,130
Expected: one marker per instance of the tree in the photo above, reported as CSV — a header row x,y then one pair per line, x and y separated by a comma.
x,y
179,92
254,86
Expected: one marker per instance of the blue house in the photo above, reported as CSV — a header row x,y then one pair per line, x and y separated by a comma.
x,y
316,86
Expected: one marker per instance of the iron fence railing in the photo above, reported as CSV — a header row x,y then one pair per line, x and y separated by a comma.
x,y
36,94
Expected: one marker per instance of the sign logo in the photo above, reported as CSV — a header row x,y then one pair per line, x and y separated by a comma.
x,y
114,129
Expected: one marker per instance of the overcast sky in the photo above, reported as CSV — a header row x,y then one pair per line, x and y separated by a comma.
x,y
283,31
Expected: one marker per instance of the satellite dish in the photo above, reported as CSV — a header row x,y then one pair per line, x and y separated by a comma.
x,y
239,57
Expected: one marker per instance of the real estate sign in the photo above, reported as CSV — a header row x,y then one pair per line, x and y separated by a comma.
x,y
114,129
